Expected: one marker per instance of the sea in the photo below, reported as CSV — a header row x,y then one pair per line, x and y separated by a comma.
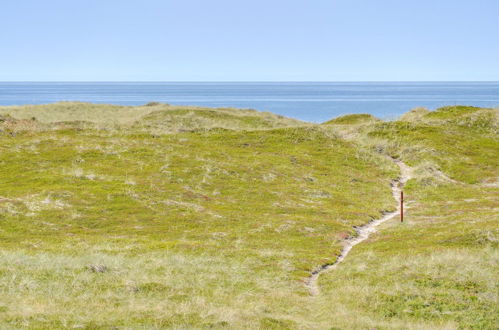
x,y
308,101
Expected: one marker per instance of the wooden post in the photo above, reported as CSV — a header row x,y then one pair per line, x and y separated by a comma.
x,y
401,206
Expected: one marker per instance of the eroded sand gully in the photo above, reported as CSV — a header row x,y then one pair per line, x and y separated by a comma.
x,y
364,231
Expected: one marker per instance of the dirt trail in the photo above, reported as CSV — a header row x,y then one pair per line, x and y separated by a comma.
x,y
364,231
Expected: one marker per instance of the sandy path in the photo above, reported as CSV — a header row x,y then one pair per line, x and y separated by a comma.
x,y
364,231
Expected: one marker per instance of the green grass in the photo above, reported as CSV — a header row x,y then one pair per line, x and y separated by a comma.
x,y
238,188
176,217
452,112
186,120
440,265
464,145
352,119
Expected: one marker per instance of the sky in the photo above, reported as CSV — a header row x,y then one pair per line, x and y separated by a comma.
x,y
249,40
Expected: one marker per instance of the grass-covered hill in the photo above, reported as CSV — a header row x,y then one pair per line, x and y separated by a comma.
x,y
362,118
163,216
152,117
441,264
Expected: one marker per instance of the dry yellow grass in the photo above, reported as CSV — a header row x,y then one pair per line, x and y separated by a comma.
x,y
163,118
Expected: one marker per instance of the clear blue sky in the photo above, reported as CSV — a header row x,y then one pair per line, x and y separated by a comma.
x,y
248,40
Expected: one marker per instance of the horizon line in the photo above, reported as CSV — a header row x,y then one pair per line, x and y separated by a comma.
x,y
249,81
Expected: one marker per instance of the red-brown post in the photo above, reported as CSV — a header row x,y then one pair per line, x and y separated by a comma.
x,y
401,206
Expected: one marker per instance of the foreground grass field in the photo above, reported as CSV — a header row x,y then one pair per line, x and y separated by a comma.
x,y
178,217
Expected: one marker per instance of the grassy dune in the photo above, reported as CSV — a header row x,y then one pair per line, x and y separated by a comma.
x,y
152,117
441,264
178,217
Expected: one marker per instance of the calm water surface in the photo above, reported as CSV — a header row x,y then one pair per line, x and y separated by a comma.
x,y
308,101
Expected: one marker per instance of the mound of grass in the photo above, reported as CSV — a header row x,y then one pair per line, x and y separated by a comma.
x,y
464,149
440,265
102,114
362,118
200,190
452,112
156,117
161,122
415,114
11,125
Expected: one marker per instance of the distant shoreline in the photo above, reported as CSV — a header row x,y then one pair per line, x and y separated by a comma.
x,y
308,101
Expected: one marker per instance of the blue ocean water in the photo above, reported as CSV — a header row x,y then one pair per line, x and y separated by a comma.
x,y
309,101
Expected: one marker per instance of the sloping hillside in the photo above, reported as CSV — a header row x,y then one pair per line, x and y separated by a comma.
x,y
441,264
